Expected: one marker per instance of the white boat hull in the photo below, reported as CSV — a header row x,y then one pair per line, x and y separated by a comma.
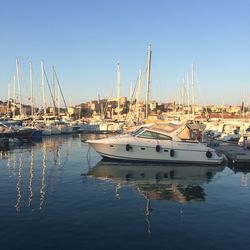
x,y
168,151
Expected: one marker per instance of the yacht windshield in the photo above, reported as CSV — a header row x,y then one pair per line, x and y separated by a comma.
x,y
153,135
137,131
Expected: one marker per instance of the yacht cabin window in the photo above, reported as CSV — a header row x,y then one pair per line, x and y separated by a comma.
x,y
153,135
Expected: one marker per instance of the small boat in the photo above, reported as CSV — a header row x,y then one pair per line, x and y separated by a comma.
x,y
22,132
10,122
16,131
158,143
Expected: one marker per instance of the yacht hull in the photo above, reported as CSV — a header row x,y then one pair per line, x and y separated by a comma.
x,y
173,152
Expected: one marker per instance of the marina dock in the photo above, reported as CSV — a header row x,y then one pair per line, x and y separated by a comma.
x,y
236,154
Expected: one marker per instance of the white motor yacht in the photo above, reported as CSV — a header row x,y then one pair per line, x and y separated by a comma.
x,y
158,143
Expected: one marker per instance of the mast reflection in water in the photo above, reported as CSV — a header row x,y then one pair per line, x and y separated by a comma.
x,y
28,164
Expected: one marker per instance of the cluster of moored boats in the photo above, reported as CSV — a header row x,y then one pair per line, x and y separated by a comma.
x,y
14,131
158,142
18,129
229,130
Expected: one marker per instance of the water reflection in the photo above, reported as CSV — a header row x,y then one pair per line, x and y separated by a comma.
x,y
177,183
159,182
33,169
42,189
31,176
18,186
244,170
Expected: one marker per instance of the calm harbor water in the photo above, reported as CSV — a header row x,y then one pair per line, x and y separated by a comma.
x,y
58,194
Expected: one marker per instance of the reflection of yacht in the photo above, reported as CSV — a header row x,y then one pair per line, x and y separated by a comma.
x,y
168,143
177,182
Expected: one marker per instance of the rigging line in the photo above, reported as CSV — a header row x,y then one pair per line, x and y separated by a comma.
x,y
111,94
135,93
133,99
107,102
203,97
59,85
201,92
143,69
136,96
105,108
53,100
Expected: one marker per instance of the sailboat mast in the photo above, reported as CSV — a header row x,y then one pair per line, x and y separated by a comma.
x,y
19,87
193,93
243,103
179,97
31,90
148,79
138,96
183,95
53,89
58,100
43,89
118,74
130,92
8,101
188,95
14,95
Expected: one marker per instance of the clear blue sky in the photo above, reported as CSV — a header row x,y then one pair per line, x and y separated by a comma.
x,y
85,39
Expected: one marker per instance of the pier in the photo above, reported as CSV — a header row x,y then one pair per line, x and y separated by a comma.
x,y
236,154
